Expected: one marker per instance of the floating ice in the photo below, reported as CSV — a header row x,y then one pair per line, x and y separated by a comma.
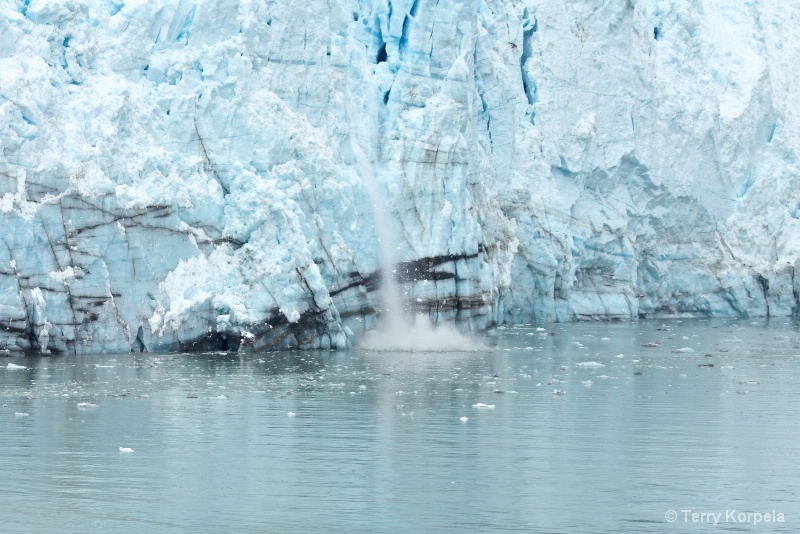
x,y
86,405
464,419
291,414
125,449
587,383
21,414
482,405
684,350
590,365
15,367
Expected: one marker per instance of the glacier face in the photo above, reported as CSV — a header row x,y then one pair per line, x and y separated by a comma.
x,y
180,174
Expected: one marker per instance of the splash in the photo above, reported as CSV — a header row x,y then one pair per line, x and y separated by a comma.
x,y
395,332
421,336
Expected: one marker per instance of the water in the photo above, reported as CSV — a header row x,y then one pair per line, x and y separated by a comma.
x,y
377,444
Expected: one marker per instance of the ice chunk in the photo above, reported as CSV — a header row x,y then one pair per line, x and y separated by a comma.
x,y
590,365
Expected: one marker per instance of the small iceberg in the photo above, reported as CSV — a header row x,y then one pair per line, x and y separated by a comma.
x,y
15,367
587,383
684,350
590,365
291,414
21,414
125,449
86,405
464,419
482,405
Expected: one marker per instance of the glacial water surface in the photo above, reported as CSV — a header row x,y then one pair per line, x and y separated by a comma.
x,y
561,428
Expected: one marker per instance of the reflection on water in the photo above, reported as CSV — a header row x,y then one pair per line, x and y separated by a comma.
x,y
591,432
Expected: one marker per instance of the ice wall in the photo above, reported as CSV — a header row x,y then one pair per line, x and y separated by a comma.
x,y
180,174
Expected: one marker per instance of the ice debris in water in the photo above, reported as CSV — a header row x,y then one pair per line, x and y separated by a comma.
x,y
684,350
86,405
125,449
464,419
587,383
482,405
291,414
21,414
590,365
15,367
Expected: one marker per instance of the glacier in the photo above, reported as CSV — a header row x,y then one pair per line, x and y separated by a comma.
x,y
184,175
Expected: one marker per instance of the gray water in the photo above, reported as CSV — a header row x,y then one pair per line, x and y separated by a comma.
x,y
377,445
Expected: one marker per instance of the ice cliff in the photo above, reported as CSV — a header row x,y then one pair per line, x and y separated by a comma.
x,y
180,174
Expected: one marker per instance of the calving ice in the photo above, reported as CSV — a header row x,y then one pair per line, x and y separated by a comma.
x,y
732,516
215,174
